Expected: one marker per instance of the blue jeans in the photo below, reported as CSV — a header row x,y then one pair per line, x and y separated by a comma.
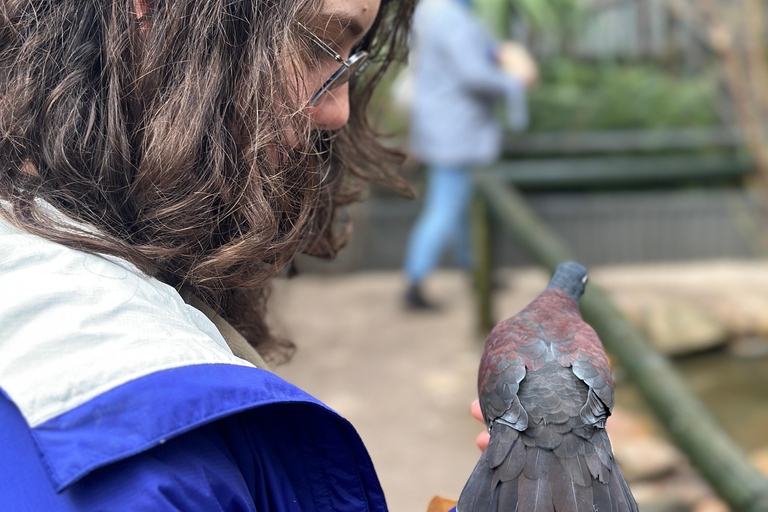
x,y
444,219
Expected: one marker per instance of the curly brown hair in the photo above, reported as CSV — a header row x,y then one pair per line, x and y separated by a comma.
x,y
168,136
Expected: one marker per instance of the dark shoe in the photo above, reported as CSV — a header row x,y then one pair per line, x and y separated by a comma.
x,y
414,300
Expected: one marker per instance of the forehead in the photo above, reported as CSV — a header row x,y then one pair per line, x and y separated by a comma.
x,y
362,12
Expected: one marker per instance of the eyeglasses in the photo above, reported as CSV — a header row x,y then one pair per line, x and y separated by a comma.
x,y
349,68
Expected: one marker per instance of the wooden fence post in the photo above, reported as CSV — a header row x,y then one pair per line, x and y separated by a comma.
x,y
483,265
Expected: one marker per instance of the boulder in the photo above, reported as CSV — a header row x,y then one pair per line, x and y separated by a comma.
x,y
647,458
749,347
712,505
641,454
677,327
625,426
682,491
743,311
653,498
759,459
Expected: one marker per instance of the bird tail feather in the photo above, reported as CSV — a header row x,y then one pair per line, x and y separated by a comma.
x,y
482,491
514,475
479,491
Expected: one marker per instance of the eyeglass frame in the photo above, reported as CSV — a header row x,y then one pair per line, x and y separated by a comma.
x,y
334,81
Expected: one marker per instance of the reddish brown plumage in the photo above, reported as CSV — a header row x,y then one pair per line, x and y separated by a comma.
x,y
545,390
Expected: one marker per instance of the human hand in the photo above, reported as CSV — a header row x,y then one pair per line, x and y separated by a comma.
x,y
484,436
516,61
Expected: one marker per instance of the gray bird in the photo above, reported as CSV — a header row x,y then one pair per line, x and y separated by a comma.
x,y
546,391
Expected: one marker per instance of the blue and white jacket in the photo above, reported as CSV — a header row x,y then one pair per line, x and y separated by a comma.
x,y
115,394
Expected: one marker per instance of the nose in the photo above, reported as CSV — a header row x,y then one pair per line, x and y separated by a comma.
x,y
331,111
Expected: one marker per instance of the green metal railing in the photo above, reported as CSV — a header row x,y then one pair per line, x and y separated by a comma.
x,y
690,424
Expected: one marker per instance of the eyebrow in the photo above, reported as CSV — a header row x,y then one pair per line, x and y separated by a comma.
x,y
345,22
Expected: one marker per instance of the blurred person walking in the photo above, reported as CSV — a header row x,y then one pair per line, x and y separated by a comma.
x,y
459,74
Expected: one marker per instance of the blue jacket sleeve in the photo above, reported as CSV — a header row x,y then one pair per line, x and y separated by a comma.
x,y
194,472
281,457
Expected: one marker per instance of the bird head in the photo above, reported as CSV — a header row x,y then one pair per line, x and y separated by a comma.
x,y
571,278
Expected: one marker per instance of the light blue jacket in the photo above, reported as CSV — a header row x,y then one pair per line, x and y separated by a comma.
x,y
457,84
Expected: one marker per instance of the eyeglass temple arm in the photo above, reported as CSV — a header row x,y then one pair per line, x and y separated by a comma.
x,y
322,44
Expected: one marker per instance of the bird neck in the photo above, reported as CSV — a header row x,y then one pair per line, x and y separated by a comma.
x,y
554,299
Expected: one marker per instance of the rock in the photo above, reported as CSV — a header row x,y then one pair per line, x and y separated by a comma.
x,y
677,327
733,293
759,459
750,347
647,458
625,426
650,498
681,491
744,311
641,454
667,506
632,303
711,505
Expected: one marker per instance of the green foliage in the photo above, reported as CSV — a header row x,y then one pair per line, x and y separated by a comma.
x,y
588,96
550,16
547,16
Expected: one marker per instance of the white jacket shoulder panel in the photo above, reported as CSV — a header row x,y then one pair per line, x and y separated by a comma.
x,y
74,325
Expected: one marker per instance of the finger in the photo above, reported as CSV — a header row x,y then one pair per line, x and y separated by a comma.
x,y
482,440
476,412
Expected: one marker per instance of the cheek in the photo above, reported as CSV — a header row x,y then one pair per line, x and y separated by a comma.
x,y
307,79
331,111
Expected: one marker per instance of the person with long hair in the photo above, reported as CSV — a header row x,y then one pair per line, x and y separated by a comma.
x,y
160,162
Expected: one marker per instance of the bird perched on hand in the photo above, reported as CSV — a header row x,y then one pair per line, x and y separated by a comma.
x,y
546,390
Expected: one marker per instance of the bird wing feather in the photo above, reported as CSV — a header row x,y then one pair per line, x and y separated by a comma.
x,y
592,365
502,369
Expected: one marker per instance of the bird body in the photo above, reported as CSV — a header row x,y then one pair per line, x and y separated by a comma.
x,y
546,391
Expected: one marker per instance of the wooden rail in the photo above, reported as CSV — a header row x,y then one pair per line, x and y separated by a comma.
x,y
690,424
621,141
625,172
